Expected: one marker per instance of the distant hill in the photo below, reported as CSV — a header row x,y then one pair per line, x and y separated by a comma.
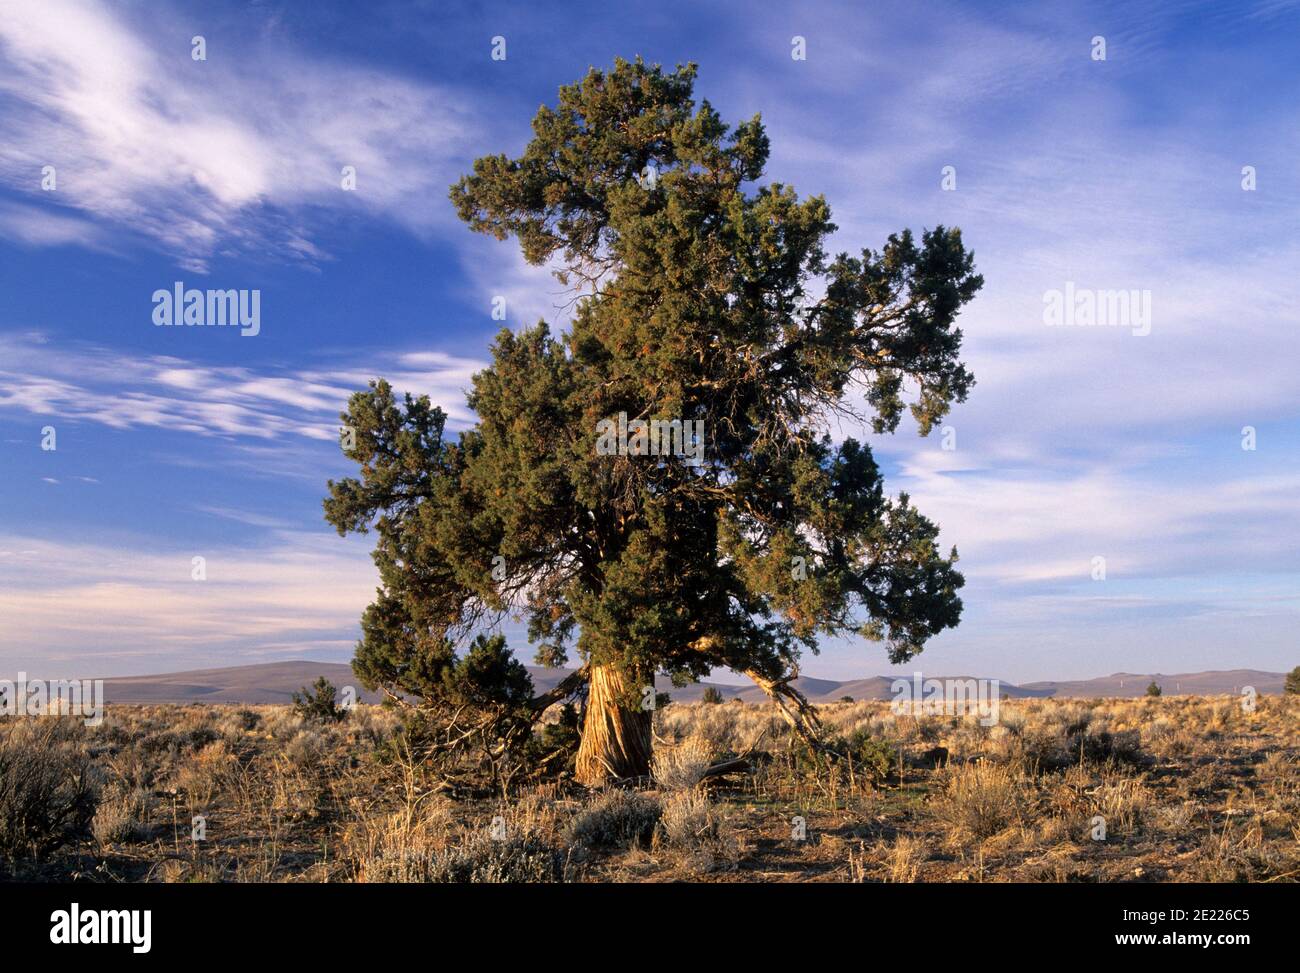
x,y
1188,683
275,682
271,682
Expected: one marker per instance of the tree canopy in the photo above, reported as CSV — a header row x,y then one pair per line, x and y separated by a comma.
x,y
701,296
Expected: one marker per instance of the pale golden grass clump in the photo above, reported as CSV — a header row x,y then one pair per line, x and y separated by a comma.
x,y
399,846
699,832
680,767
978,800
905,859
687,819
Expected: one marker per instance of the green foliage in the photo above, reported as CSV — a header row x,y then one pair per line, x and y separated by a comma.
x,y
475,718
1292,685
711,695
859,758
1154,689
872,757
318,704
702,295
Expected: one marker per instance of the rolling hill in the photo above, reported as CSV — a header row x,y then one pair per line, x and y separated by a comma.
x,y
275,682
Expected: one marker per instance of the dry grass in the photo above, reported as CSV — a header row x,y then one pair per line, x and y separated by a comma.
x,y
1185,788
681,767
979,800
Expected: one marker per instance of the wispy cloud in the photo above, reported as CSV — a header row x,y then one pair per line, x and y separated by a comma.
x,y
240,151
1063,174
43,227
89,383
89,608
1033,524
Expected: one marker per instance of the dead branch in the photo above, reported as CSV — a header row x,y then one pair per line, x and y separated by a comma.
x,y
565,688
795,710
734,764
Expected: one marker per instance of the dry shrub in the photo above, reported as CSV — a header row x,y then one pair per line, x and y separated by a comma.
x,y
682,767
132,769
1122,801
234,725
1053,748
306,749
1237,853
368,726
281,722
691,824
616,819
204,773
1277,766
534,810
399,846
517,858
904,860
295,791
726,729
1174,818
120,817
47,791
687,819
979,799
1054,831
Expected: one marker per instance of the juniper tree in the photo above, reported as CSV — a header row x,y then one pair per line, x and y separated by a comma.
x,y
319,703
704,296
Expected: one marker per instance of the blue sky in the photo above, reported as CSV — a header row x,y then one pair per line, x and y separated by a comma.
x,y
1076,443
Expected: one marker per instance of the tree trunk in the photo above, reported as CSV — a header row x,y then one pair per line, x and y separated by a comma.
x,y
616,732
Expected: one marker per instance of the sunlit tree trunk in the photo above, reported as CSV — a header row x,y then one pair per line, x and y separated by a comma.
x,y
616,741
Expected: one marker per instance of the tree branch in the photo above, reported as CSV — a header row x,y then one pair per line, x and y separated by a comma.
x,y
565,688
795,709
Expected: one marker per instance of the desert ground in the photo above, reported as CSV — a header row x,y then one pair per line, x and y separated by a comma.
x,y
1177,788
